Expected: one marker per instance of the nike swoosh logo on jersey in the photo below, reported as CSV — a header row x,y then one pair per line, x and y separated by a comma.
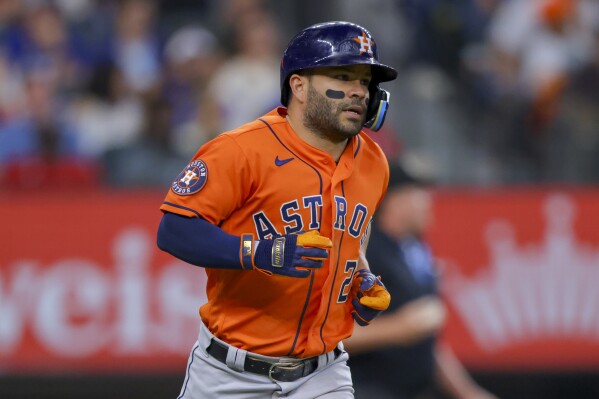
x,y
281,162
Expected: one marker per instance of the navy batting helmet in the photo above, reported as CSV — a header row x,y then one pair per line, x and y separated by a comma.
x,y
338,43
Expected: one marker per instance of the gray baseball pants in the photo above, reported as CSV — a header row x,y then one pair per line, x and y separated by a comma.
x,y
208,378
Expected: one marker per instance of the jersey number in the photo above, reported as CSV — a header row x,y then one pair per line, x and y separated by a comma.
x,y
350,268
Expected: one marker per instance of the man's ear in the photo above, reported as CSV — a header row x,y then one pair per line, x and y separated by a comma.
x,y
298,85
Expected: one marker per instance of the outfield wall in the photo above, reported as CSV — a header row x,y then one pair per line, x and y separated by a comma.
x,y
84,289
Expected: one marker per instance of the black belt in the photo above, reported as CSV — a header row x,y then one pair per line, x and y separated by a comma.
x,y
285,370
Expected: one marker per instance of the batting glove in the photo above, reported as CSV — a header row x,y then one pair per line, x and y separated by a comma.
x,y
371,297
292,255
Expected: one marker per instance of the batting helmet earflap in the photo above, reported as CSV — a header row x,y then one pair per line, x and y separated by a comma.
x,y
338,43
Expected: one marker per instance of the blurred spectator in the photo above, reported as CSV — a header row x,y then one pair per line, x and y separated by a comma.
x,y
136,45
493,90
9,10
475,61
76,10
92,27
42,131
11,90
573,154
150,159
442,29
537,45
247,84
174,14
40,149
42,42
230,12
192,56
398,356
107,113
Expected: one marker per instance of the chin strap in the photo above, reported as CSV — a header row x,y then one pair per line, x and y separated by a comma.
x,y
378,109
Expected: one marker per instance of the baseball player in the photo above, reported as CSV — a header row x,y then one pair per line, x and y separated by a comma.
x,y
277,212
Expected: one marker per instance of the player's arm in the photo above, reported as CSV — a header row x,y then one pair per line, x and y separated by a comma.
x,y
370,295
362,261
201,243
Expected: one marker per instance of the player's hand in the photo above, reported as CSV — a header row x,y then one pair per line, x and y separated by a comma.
x,y
371,297
292,255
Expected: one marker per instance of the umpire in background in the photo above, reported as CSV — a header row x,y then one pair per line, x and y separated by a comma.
x,y
398,356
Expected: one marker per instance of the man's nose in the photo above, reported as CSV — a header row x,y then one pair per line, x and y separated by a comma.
x,y
357,89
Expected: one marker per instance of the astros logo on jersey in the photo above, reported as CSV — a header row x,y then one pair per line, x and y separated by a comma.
x,y
191,179
365,42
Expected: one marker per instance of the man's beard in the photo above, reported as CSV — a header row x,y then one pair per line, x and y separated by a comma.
x,y
320,118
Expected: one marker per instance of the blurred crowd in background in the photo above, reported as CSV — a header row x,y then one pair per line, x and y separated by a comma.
x,y
123,92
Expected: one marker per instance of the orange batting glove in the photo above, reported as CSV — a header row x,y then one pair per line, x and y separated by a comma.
x,y
371,297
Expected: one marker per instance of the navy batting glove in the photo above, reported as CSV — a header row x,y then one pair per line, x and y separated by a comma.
x,y
290,255
372,298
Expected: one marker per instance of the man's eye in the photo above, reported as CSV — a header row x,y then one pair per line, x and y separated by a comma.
x,y
365,82
342,77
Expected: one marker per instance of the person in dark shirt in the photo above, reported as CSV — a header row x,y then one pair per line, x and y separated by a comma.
x,y
399,355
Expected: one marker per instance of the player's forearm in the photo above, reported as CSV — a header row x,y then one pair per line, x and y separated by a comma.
x,y
199,242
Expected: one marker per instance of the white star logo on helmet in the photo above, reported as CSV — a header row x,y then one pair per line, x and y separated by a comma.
x,y
365,42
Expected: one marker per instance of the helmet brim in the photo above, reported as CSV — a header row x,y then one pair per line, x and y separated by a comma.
x,y
380,73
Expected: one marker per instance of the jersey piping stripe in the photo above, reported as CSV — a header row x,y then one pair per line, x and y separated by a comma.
x,y
192,356
308,294
182,207
326,316
298,157
358,149
305,308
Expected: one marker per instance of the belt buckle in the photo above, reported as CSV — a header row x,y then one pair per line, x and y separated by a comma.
x,y
289,365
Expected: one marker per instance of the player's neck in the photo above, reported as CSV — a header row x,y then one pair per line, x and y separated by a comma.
x,y
333,148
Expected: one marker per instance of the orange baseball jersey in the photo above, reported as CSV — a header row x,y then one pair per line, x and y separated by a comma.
x,y
263,179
